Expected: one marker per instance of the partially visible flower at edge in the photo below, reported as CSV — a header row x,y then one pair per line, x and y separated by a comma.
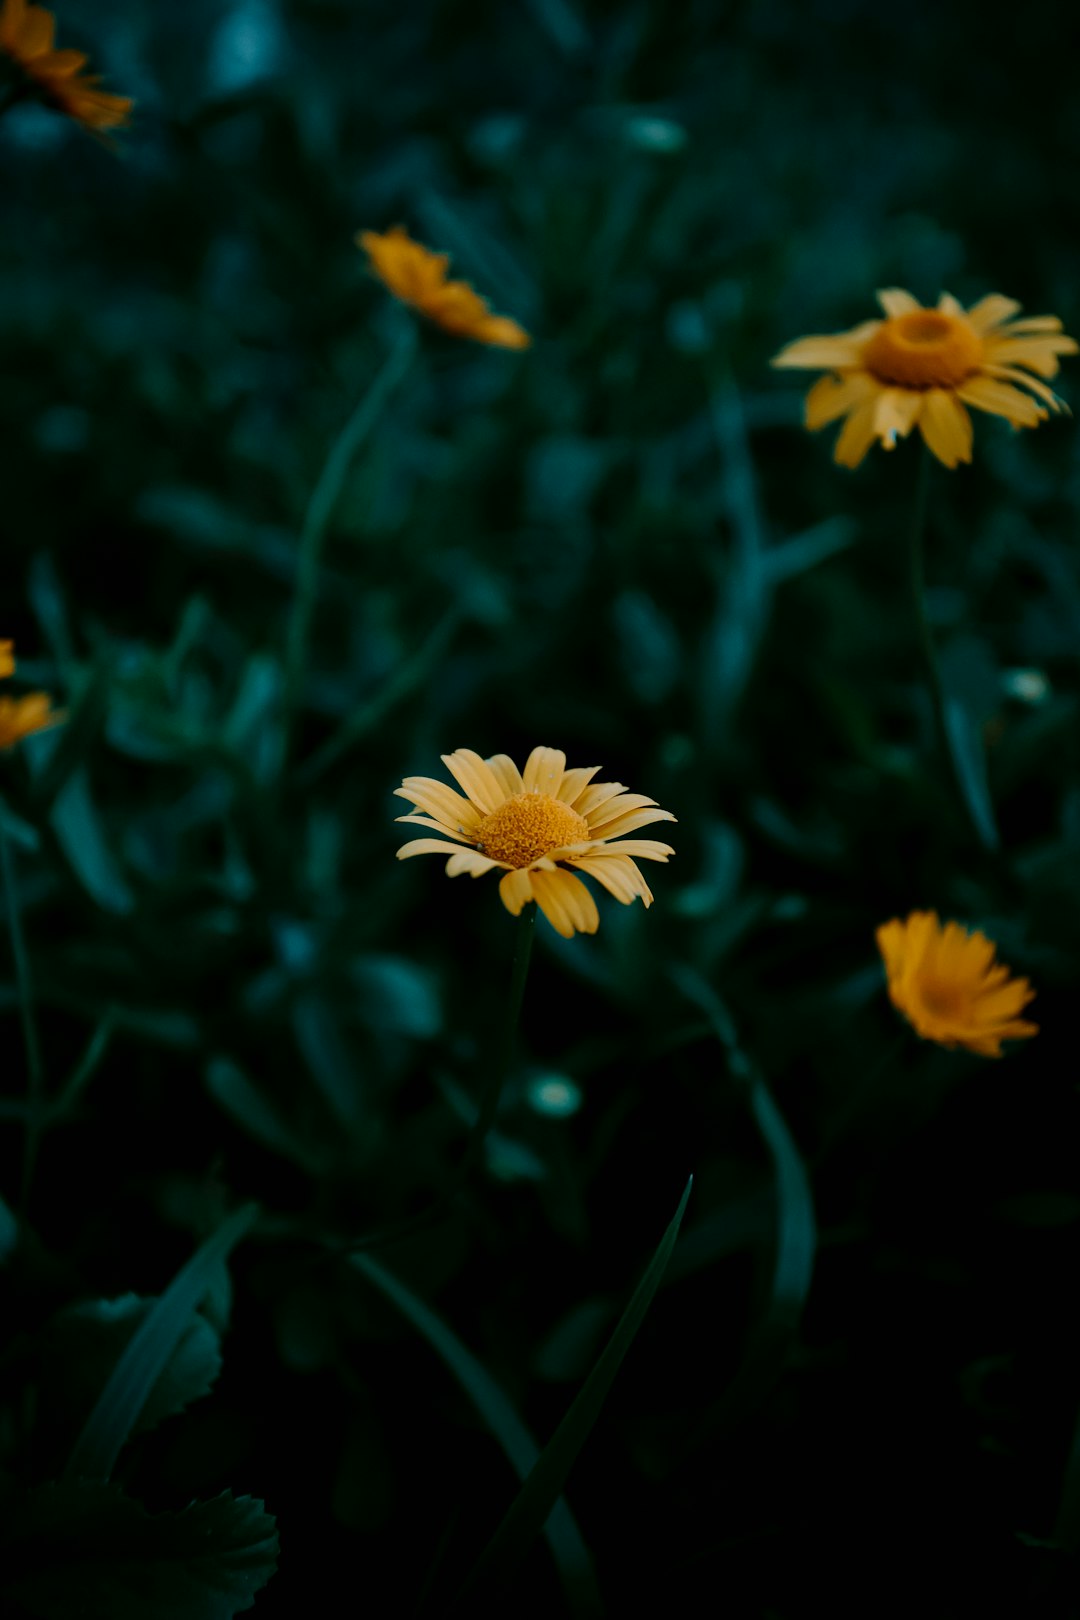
x,y
921,367
417,276
19,717
532,826
946,983
27,35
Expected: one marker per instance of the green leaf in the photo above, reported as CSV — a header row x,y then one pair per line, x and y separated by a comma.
x,y
803,551
68,746
76,825
88,1552
395,995
539,1493
563,1536
329,1061
9,1232
149,1351
969,762
796,1225
82,1344
238,1097
84,1070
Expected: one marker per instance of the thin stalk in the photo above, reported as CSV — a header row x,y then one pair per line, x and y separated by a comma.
x,y
405,679
957,741
320,509
35,1103
489,1103
917,583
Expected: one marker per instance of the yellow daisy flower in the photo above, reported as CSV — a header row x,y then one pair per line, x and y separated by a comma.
x,y
921,367
21,716
533,824
947,985
27,34
417,276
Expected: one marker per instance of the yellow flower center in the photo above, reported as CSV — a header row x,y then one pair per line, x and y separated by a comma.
x,y
527,826
924,349
945,999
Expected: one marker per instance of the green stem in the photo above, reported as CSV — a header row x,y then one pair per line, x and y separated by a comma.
x,y
917,581
404,680
489,1103
35,1071
320,509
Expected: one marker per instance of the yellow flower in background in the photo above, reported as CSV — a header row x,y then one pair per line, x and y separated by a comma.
x,y
920,368
949,988
27,34
417,276
533,825
21,716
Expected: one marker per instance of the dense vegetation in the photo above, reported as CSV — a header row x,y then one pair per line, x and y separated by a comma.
x,y
262,1039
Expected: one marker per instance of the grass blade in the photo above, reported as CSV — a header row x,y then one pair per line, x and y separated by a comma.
x,y
116,1413
564,1538
796,1224
534,1502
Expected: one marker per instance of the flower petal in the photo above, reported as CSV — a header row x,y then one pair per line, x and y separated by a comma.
x,y
1001,399
645,848
618,806
1041,390
857,433
439,801
38,33
574,784
1038,354
565,902
506,774
618,875
544,769
437,827
595,796
476,777
471,861
897,301
831,351
63,64
515,890
500,331
946,426
895,414
426,846
1032,323
631,821
831,397
991,311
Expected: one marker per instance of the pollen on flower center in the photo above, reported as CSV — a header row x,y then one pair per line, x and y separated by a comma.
x,y
527,826
923,349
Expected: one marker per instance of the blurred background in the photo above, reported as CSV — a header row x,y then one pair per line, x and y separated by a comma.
x,y
620,543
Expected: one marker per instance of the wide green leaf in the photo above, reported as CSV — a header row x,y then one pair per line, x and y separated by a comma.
x,y
88,1552
81,1345
120,1405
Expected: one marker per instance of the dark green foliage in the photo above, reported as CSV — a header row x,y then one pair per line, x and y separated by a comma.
x,y
88,1551
857,1385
